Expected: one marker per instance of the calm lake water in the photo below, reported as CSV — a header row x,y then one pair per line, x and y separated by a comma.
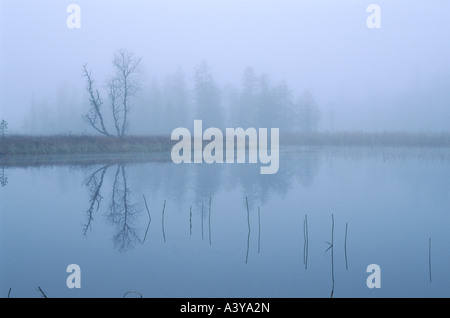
x,y
197,238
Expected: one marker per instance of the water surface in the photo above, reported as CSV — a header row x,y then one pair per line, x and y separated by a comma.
x,y
198,239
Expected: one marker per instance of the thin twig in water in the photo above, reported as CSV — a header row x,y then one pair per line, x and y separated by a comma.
x,y
332,254
190,220
248,236
162,221
149,219
42,292
306,242
202,221
259,231
345,246
209,220
429,257
133,292
9,292
146,207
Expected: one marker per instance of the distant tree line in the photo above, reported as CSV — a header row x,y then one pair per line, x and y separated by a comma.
x,y
3,127
256,103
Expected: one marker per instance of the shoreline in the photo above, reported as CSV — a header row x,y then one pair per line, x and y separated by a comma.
x,y
23,145
81,145
25,151
90,144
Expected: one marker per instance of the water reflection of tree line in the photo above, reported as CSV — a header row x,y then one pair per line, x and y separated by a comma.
x,y
3,177
179,182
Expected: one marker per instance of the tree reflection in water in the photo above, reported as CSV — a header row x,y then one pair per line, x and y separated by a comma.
x,y
121,213
3,177
179,183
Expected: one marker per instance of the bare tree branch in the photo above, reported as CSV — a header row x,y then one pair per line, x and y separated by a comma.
x,y
94,187
114,95
96,102
126,64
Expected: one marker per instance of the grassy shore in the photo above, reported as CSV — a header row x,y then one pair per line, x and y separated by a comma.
x,y
73,144
92,145
365,139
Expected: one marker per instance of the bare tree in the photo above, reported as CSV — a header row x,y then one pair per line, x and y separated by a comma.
x,y
125,86
121,88
94,117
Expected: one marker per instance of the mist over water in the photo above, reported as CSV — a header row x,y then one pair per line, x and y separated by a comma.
x,y
362,173
192,235
392,78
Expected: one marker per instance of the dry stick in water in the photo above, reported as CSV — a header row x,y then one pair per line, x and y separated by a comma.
x,y
248,237
162,221
332,254
42,292
306,242
190,220
345,246
209,220
202,220
429,258
259,231
132,292
149,218
146,207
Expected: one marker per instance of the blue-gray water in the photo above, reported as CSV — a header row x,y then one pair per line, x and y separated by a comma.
x,y
393,201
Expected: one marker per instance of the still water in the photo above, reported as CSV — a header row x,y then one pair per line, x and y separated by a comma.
x,y
166,230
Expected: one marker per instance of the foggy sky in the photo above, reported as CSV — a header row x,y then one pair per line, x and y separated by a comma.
x,y
393,78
